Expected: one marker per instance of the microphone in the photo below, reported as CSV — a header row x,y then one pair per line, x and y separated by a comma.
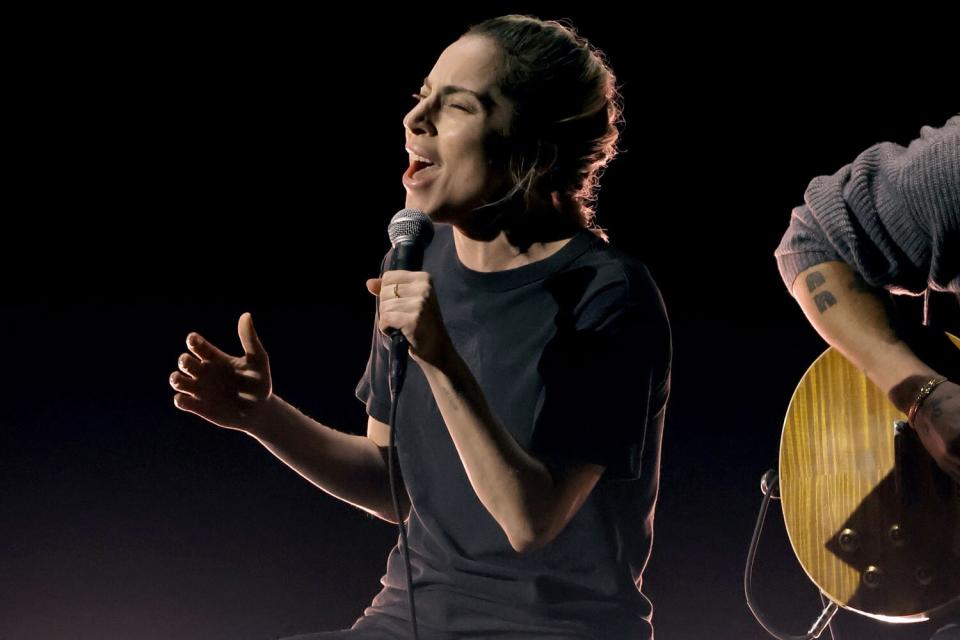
x,y
410,231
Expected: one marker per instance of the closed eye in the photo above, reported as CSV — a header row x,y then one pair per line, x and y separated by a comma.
x,y
418,98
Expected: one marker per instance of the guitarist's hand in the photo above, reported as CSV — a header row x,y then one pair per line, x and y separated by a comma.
x,y
938,425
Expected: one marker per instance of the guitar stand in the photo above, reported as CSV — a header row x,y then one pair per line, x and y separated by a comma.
x,y
770,486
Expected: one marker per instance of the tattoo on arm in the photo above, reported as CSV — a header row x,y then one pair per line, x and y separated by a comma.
x,y
824,301
814,280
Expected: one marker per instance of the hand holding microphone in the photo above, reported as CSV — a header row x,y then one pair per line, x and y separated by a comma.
x,y
408,308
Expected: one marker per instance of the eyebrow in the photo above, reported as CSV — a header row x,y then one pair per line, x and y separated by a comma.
x,y
484,98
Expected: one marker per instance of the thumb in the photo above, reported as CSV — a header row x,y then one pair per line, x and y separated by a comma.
x,y
373,286
248,337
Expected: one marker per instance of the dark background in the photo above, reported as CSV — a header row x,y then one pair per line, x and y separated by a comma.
x,y
173,170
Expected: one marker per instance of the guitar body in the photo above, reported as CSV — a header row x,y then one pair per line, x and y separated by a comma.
x,y
873,521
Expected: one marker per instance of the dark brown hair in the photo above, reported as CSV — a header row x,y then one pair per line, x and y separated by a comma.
x,y
567,113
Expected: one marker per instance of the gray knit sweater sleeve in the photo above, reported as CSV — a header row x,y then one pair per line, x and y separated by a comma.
x,y
893,214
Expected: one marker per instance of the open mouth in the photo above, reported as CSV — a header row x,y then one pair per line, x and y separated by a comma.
x,y
419,165
420,173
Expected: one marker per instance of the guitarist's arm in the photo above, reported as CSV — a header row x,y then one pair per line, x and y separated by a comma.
x,y
854,318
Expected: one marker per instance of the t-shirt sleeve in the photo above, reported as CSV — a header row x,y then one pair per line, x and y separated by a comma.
x,y
606,379
373,390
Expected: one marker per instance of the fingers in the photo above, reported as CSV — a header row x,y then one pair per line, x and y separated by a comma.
x,y
189,364
400,314
394,291
186,403
183,384
203,349
249,338
191,376
388,322
373,286
409,281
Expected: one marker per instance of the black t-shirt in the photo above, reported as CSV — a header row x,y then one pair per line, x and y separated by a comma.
x,y
572,353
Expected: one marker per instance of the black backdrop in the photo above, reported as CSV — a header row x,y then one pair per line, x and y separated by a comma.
x,y
172,170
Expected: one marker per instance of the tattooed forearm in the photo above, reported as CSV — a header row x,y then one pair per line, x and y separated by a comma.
x,y
814,280
824,301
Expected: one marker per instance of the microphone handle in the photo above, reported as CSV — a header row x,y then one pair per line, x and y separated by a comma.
x,y
398,362
406,257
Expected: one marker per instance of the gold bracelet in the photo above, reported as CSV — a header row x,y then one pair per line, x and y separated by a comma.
x,y
925,391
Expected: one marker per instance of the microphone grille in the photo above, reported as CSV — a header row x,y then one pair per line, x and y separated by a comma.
x,y
410,226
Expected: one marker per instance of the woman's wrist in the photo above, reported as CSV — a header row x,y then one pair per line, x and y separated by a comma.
x,y
265,417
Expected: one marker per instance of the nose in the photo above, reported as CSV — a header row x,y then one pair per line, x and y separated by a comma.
x,y
419,119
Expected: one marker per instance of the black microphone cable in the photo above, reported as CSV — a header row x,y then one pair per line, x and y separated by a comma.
x,y
397,369
410,231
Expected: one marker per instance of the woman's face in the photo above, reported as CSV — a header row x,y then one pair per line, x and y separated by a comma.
x,y
459,114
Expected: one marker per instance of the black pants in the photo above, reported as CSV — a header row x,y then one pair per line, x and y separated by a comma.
x,y
364,628
347,634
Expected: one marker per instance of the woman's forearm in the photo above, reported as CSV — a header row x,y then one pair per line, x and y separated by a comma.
x,y
349,467
514,486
